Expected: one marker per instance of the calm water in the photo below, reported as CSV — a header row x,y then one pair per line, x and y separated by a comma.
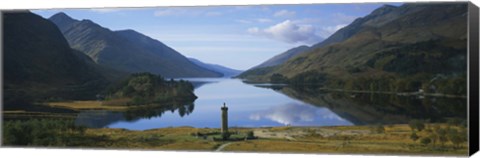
x,y
260,105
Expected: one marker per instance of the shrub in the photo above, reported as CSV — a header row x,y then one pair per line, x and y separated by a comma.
x,y
414,136
425,141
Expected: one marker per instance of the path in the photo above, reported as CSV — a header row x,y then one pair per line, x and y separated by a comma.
x,y
220,148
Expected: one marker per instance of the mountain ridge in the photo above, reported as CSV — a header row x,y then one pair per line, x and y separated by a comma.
x,y
410,48
281,58
121,50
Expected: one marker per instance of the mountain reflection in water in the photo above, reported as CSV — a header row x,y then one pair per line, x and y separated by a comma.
x,y
375,108
259,105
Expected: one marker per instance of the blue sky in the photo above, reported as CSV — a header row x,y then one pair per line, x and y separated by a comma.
x,y
238,37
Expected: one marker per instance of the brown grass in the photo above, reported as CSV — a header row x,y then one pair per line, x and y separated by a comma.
x,y
346,140
86,105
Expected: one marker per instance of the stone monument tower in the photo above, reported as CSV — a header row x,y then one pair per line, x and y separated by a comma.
x,y
224,131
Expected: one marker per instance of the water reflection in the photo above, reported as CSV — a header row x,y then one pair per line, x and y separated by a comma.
x,y
374,108
278,105
98,119
298,114
103,118
148,112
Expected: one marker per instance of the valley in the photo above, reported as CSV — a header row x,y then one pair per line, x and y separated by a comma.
x,y
391,82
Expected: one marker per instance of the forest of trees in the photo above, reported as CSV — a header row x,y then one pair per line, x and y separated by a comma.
x,y
146,88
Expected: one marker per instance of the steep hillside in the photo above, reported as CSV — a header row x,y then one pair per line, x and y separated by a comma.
x,y
281,58
39,64
402,48
126,50
227,72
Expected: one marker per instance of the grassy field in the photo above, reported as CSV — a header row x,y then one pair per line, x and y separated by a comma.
x,y
342,139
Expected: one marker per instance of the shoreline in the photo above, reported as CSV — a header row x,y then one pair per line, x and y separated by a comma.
x,y
355,139
420,94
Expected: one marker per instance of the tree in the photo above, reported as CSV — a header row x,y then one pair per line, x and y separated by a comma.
x,y
250,135
278,78
309,78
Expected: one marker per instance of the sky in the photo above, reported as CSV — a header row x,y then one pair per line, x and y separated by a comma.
x,y
238,37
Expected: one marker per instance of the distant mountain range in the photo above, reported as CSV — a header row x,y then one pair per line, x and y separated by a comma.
x,y
412,43
227,72
39,63
127,50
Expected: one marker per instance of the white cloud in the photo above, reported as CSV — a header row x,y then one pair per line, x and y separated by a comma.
x,y
284,13
263,20
289,32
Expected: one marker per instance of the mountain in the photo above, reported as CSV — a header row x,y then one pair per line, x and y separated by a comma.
x,y
40,65
281,58
403,48
227,72
126,50
377,17
265,67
